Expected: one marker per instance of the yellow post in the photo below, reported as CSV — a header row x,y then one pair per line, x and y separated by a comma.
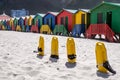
x,y
41,46
54,48
71,53
101,56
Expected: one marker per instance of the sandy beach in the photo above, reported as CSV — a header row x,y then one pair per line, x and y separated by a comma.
x,y
19,59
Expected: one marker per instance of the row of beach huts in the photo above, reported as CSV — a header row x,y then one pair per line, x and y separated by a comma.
x,y
103,19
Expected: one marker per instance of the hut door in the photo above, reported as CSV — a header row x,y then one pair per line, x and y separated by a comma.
x,y
109,18
66,22
62,20
83,19
49,22
99,18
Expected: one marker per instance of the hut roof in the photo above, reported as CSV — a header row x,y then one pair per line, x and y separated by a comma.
x,y
71,10
4,17
41,14
54,13
107,3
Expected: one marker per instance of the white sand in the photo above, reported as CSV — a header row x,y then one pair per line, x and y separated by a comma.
x,y
18,60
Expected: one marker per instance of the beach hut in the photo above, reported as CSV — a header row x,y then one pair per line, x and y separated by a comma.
x,y
38,20
82,21
82,17
60,30
106,14
45,29
12,24
5,24
4,17
8,25
50,19
21,23
66,18
29,24
15,22
26,21
1,24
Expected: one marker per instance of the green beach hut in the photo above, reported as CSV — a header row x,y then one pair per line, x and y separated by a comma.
x,y
107,13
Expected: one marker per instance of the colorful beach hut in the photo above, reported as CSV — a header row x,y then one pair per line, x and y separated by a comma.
x,y
26,21
82,17
50,19
4,17
82,21
60,30
105,20
5,25
8,25
2,27
66,18
38,20
29,24
15,22
21,23
12,24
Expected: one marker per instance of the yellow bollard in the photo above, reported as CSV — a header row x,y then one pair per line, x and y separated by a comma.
x,y
71,53
54,48
41,46
101,58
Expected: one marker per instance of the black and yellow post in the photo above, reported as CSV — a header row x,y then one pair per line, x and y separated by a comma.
x,y
71,53
41,46
54,48
101,58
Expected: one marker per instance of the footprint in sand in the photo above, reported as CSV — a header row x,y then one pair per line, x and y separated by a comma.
x,y
7,58
27,68
33,73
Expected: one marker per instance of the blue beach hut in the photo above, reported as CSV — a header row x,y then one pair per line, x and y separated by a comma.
x,y
21,23
50,19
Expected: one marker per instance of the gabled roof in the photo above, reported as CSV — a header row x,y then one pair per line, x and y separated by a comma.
x,y
84,10
4,17
53,13
71,10
41,14
107,3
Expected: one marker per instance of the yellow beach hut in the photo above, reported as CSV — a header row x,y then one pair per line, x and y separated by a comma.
x,y
82,16
82,21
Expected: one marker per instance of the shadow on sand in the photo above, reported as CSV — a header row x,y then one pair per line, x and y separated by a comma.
x,y
53,59
39,56
70,65
103,75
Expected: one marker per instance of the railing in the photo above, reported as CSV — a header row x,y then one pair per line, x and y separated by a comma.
x,y
100,29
